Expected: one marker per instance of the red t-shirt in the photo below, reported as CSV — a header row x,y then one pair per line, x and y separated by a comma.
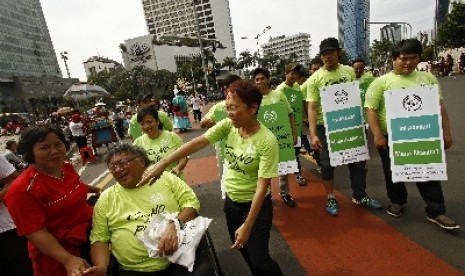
x,y
36,201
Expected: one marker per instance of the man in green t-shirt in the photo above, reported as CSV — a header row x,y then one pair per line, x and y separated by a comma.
x,y
333,73
364,77
261,77
405,58
292,71
143,101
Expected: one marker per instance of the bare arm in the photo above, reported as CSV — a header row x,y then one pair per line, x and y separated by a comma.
x,y
168,243
373,121
6,183
100,256
243,232
48,245
445,126
207,123
180,167
312,121
185,150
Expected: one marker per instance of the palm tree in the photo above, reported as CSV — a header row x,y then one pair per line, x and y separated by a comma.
x,y
245,58
230,62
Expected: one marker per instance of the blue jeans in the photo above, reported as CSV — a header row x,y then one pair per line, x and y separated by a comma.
x,y
358,172
256,250
430,191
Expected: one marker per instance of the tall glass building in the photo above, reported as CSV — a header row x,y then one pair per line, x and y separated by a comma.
x,y
26,48
353,36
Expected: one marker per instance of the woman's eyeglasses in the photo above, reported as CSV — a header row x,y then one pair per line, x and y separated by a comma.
x,y
124,163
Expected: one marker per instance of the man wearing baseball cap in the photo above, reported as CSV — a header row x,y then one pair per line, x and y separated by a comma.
x,y
333,73
142,102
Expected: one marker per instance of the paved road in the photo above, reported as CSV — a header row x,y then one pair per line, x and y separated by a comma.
x,y
305,240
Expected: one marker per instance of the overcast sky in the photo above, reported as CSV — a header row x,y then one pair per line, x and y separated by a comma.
x,y
86,28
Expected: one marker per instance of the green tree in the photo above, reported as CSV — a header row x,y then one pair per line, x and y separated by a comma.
x,y
380,52
451,34
428,52
230,62
245,59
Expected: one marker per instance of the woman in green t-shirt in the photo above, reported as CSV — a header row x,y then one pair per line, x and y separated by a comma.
x,y
158,143
251,155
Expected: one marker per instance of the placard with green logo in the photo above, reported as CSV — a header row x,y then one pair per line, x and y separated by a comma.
x,y
295,98
344,123
276,118
416,142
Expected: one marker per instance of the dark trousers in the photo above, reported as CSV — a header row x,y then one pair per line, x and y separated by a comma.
x,y
357,170
256,251
430,191
197,114
14,259
81,141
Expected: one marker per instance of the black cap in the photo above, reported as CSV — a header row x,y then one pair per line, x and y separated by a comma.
x,y
329,43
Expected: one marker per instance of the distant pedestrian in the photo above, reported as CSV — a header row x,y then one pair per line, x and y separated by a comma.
x,y
196,108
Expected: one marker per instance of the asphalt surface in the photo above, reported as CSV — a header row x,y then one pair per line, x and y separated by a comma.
x,y
307,241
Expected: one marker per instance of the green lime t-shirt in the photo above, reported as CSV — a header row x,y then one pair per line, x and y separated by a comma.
x,y
121,215
323,78
374,98
160,147
247,159
304,88
364,82
276,96
134,128
221,106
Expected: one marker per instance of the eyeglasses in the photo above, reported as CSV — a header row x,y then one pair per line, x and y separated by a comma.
x,y
233,108
124,163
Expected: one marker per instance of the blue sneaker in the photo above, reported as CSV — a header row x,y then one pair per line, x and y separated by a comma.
x,y
331,206
368,202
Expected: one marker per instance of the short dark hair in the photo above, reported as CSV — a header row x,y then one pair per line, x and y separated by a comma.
x,y
316,60
246,92
359,59
407,46
260,70
127,148
35,134
143,97
230,79
303,73
9,144
150,110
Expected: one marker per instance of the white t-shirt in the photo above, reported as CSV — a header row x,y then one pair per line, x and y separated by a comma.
x,y
196,103
6,223
76,128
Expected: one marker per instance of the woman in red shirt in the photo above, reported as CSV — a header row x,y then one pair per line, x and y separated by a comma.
x,y
48,204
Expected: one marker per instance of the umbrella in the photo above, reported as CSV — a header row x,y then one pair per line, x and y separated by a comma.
x,y
82,91
64,110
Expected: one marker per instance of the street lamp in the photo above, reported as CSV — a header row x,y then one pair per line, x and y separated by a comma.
x,y
202,55
65,58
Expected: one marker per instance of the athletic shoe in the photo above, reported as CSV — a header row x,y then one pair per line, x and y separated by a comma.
x,y
368,202
395,210
444,222
331,206
300,180
287,198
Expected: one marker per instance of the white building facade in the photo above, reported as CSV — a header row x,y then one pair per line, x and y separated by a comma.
x,y
283,46
176,17
96,64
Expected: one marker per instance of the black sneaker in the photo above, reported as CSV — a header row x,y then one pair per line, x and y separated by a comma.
x,y
287,198
395,210
444,222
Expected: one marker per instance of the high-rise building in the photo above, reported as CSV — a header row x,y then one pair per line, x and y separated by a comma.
x,y
354,36
26,48
176,17
28,64
285,46
391,32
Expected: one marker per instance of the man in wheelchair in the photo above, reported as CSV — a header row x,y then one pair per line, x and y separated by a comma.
x,y
123,212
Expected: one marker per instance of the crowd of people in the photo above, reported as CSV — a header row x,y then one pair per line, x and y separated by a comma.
x,y
44,200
